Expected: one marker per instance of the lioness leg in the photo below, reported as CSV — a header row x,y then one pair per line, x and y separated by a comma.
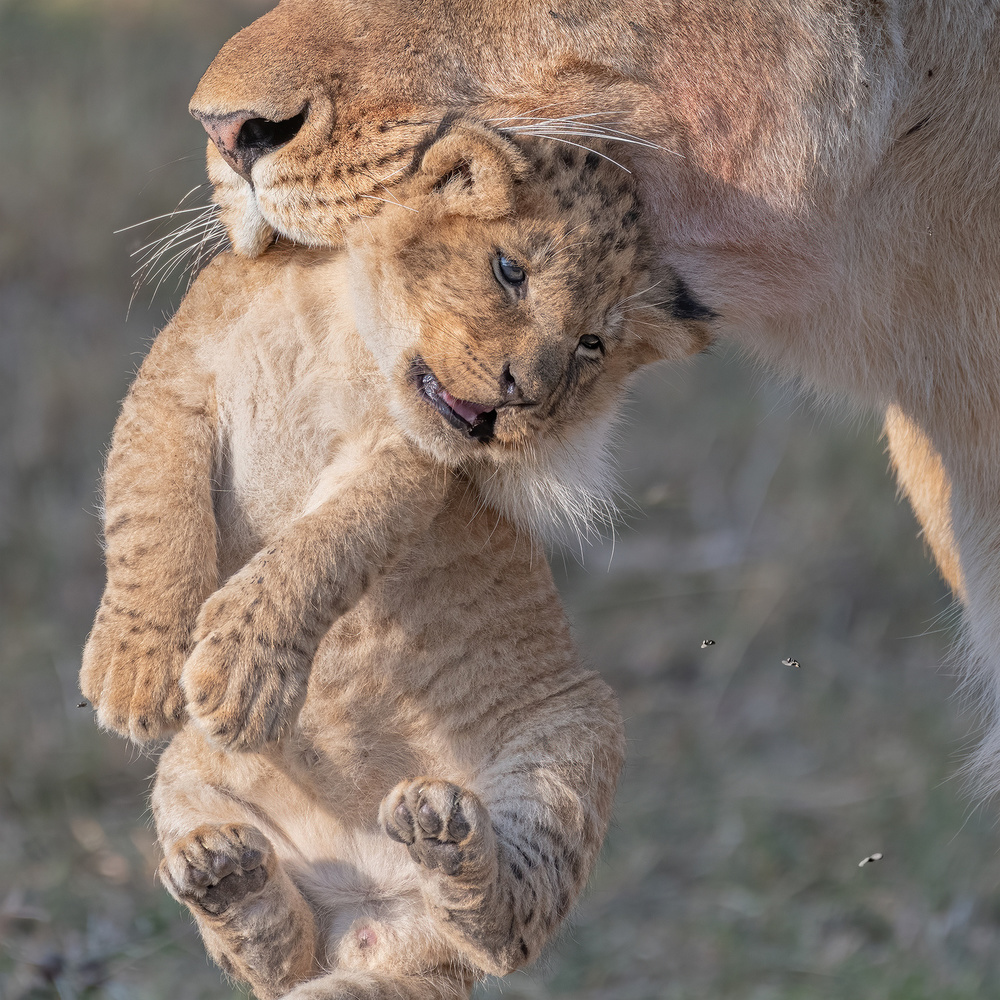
x,y
922,477
254,922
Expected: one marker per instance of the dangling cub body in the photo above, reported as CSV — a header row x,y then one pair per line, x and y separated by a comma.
x,y
321,505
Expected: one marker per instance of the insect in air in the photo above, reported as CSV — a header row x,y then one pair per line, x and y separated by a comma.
x,y
877,856
705,643
789,662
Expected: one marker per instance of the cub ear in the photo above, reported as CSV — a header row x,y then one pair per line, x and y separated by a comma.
x,y
472,171
670,324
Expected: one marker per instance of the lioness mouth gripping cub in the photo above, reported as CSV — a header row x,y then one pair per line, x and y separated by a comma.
x,y
322,511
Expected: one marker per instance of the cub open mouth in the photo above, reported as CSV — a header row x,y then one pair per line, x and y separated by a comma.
x,y
475,419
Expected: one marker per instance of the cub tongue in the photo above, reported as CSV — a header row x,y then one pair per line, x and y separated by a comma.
x,y
466,410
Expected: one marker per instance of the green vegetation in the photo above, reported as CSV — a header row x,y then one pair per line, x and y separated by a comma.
x,y
753,789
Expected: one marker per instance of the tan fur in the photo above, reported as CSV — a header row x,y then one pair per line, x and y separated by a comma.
x,y
395,775
923,479
824,177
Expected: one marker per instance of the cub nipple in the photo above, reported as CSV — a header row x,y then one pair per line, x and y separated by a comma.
x,y
367,938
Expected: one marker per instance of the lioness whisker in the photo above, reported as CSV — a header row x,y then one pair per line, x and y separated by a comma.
x,y
158,218
169,267
156,252
644,291
193,246
168,215
595,129
578,145
388,201
602,129
392,173
569,246
199,244
197,225
546,132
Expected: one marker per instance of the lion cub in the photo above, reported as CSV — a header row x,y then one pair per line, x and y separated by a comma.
x,y
321,510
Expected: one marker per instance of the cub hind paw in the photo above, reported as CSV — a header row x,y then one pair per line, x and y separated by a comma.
x,y
442,824
216,867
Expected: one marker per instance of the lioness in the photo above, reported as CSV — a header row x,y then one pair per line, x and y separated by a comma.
x,y
824,177
323,502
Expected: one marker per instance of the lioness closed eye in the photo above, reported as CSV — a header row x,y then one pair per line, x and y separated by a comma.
x,y
323,505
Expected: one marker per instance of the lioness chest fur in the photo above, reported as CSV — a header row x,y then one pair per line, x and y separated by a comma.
x,y
322,505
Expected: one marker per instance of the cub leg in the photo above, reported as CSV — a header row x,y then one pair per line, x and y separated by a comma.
x,y
254,922
246,679
505,863
491,898
159,531
440,984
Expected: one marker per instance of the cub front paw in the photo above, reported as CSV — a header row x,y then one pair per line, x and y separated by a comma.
x,y
131,671
216,867
444,826
242,692
245,681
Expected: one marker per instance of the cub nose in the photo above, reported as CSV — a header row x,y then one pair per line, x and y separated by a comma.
x,y
243,139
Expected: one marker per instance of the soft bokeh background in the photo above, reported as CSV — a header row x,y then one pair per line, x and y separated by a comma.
x,y
753,789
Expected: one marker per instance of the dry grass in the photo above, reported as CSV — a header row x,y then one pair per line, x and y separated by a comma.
x,y
753,788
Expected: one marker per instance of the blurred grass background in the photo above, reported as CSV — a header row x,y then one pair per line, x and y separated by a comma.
x,y
753,789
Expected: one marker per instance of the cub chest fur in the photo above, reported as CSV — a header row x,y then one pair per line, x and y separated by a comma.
x,y
280,369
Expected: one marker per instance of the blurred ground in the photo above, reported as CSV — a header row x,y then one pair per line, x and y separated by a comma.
x,y
753,788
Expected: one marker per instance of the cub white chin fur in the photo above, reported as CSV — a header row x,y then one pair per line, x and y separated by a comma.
x,y
562,490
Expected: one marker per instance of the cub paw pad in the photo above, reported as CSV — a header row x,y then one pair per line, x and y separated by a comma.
x,y
435,819
215,867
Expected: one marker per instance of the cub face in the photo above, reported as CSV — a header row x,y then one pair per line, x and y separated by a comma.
x,y
507,293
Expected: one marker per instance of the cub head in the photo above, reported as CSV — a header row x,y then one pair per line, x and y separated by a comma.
x,y
507,291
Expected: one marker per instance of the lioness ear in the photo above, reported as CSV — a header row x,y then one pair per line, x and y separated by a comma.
x,y
472,171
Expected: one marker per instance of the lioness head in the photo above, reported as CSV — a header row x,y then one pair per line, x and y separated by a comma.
x,y
750,127
507,292
322,104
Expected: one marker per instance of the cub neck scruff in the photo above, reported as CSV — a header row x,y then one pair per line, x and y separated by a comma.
x,y
822,178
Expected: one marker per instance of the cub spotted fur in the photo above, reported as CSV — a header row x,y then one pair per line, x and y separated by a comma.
x,y
823,175
322,503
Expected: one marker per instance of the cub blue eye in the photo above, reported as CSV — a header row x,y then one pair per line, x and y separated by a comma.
x,y
508,272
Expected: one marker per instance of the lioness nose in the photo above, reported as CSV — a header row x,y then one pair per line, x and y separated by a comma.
x,y
243,139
